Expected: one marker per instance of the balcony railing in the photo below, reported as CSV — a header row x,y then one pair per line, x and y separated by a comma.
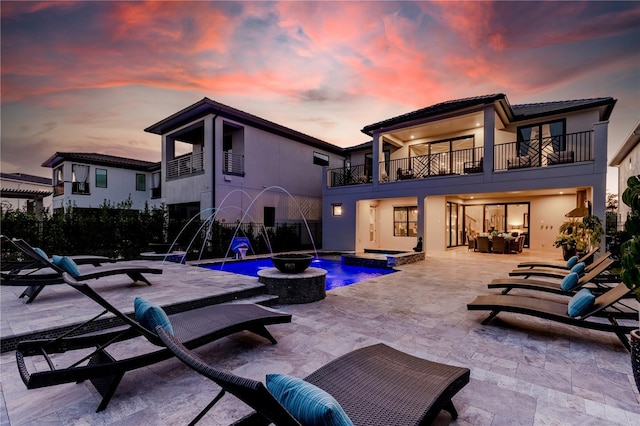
x,y
81,188
352,175
185,165
545,152
233,164
548,151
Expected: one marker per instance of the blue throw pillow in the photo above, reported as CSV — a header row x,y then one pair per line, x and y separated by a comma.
x,y
41,253
570,281
572,262
581,303
150,315
578,268
69,266
309,404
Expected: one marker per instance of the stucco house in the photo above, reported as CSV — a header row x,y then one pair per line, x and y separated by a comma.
x,y
469,166
21,190
90,180
627,160
248,168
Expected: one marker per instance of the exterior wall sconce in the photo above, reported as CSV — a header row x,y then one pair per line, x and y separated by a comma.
x,y
337,209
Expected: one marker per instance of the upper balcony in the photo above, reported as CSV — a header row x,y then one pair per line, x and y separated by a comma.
x,y
184,165
527,154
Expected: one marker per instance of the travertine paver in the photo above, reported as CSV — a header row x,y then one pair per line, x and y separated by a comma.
x,y
523,370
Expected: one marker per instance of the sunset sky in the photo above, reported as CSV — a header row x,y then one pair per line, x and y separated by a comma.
x,y
90,76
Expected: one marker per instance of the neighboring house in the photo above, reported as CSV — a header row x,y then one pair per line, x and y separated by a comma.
x,y
627,160
248,168
23,191
89,180
469,166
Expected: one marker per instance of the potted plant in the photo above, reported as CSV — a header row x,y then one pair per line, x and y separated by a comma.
x,y
577,236
630,261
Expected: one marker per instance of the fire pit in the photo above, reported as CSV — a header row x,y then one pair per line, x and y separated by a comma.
x,y
291,263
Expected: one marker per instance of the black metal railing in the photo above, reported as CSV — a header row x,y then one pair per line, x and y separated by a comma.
x,y
463,161
352,175
81,188
547,151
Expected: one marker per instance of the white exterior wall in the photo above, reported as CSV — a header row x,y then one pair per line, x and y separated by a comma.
x,y
278,172
20,203
629,166
121,185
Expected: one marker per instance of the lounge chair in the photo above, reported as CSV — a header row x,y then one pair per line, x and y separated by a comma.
x,y
194,328
550,286
49,273
558,311
22,247
556,272
374,385
559,265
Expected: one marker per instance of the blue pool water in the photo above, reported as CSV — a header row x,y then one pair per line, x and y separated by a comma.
x,y
338,275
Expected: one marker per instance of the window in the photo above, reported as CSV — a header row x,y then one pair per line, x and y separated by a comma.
x,y
541,138
58,181
336,209
269,216
80,179
141,182
156,188
320,159
101,178
405,221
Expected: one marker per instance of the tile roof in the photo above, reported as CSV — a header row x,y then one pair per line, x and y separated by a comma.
x,y
528,111
515,112
99,159
207,106
436,109
26,178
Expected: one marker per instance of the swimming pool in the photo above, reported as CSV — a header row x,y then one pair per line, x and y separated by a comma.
x,y
338,275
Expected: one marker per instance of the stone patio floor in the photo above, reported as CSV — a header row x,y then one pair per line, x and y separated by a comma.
x,y
524,371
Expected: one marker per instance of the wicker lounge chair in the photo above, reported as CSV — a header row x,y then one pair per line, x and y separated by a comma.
x,y
375,385
85,350
45,273
549,286
555,272
560,265
557,311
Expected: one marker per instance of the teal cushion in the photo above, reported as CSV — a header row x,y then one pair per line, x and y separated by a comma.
x,y
69,266
41,253
150,315
572,261
578,268
56,260
570,281
581,303
309,404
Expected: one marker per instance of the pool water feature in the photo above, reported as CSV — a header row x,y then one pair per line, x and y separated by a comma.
x,y
338,274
